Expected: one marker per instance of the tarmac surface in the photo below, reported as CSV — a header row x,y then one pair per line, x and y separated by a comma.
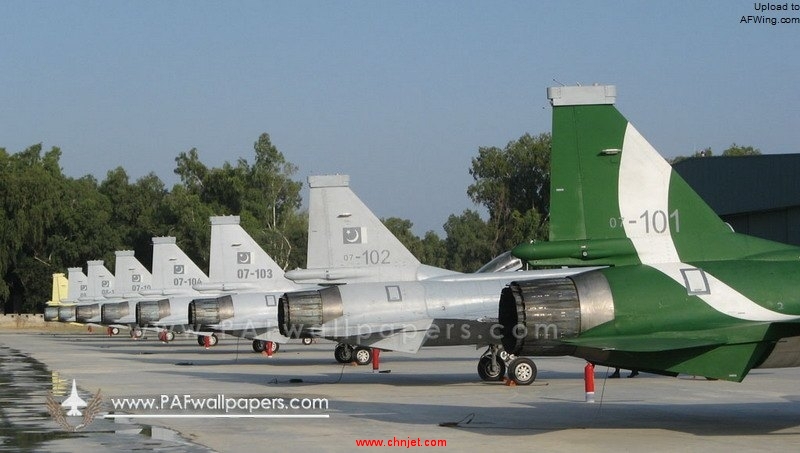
x,y
435,395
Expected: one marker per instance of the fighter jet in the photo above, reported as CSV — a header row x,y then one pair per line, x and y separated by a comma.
x,y
417,305
684,293
346,243
237,263
163,306
77,289
113,309
60,292
248,275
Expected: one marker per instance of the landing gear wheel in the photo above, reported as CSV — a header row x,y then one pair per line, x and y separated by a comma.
x,y
200,340
275,347
259,345
363,356
343,353
522,371
307,341
489,372
135,333
169,336
213,340
115,331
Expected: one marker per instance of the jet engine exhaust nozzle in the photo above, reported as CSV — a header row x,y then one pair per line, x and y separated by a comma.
x,y
537,315
207,312
300,313
84,313
151,311
111,313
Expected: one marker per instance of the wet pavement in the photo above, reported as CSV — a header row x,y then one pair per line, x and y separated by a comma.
x,y
432,395
27,425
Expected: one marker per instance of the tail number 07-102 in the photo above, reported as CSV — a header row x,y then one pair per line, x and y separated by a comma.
x,y
369,257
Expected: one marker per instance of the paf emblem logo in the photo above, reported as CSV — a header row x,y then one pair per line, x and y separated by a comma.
x,y
354,235
243,257
71,406
177,269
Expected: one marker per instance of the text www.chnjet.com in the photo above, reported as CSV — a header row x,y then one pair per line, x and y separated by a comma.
x,y
218,403
407,442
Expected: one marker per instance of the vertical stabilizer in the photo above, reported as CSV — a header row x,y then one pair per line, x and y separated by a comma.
x,y
60,289
346,241
173,271
100,281
614,197
238,263
130,275
78,285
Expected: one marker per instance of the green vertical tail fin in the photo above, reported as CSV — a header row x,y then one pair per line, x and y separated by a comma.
x,y
615,200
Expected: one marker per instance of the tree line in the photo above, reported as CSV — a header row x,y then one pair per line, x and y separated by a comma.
x,y
51,221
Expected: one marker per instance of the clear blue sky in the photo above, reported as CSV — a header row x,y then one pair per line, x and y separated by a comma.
x,y
400,95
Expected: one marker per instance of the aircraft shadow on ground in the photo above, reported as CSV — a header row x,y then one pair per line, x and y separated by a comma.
x,y
346,375
715,419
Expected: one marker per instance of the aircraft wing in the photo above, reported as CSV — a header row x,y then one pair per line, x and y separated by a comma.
x,y
172,320
402,337
646,343
676,340
250,322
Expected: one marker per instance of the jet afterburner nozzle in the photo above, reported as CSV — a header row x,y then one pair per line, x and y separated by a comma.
x,y
84,313
150,311
207,312
301,313
537,315
66,314
111,313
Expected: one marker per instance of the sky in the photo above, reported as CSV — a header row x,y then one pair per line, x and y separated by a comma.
x,y
398,94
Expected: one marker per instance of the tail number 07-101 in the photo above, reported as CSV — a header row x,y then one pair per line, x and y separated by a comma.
x,y
656,221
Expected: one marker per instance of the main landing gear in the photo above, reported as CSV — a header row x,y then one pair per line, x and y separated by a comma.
x,y
166,336
494,363
344,353
212,340
261,346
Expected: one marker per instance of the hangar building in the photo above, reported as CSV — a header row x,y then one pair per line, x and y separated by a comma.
x,y
756,195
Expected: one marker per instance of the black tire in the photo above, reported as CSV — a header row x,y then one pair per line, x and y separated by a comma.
x,y
522,371
201,340
135,333
275,347
307,341
487,372
259,345
169,336
213,340
363,356
343,353
115,331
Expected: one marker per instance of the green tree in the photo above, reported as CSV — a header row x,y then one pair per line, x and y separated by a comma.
x,y
134,209
736,150
262,194
513,183
469,241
